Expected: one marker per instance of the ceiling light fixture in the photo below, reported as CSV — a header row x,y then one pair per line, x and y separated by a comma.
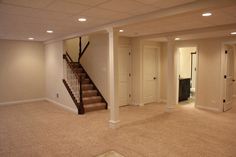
x,y
82,19
233,33
121,30
50,31
206,14
30,38
177,38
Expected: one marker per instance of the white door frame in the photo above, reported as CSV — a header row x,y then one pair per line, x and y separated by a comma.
x,y
177,73
222,80
158,72
130,71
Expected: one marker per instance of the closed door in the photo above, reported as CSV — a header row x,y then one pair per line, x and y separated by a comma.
x,y
150,77
229,78
124,69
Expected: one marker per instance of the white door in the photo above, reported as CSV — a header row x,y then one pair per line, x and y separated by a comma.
x,y
150,77
124,72
229,78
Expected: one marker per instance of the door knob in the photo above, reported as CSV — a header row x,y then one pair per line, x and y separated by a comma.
x,y
154,78
233,80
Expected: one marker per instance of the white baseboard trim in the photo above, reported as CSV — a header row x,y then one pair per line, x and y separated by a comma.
x,y
207,108
62,105
162,101
21,101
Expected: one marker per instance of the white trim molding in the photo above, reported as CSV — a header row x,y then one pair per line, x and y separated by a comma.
x,y
21,101
207,108
162,101
62,105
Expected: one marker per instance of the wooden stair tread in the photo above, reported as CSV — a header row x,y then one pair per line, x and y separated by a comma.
x,y
94,107
92,97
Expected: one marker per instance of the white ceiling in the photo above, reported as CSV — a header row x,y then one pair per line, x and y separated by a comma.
x,y
21,19
186,21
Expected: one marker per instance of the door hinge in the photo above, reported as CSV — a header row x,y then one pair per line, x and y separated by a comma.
x,y
129,74
225,77
226,51
224,101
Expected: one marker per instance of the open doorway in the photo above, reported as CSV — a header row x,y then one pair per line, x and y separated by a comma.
x,y
187,75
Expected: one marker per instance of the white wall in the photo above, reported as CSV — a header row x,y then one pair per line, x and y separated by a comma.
x,y
21,71
185,61
95,61
163,72
137,68
235,70
54,75
72,47
209,71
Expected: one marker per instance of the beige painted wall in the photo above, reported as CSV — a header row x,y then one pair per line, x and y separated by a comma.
x,y
235,70
137,64
209,71
54,75
21,71
163,75
72,48
95,61
185,61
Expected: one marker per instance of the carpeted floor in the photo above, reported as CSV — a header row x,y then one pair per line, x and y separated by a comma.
x,y
43,129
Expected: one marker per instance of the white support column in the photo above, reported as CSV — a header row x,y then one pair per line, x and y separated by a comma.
x,y
113,79
171,75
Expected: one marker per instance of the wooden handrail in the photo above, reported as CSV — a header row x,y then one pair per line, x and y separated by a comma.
x,y
79,78
67,54
84,50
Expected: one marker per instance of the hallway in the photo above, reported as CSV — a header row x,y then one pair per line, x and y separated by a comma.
x,y
43,129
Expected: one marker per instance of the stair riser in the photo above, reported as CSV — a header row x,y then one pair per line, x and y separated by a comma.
x,y
87,88
79,70
91,101
89,94
85,81
95,108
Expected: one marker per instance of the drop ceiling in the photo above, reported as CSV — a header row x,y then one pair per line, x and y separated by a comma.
x,y
21,19
181,22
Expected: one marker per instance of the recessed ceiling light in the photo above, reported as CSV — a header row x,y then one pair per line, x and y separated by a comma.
x,y
121,30
49,31
30,38
207,14
82,19
233,33
177,38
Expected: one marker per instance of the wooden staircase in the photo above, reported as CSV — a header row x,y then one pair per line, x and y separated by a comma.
x,y
92,99
82,89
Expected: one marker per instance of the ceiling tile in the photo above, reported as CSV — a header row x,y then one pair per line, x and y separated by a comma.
x,y
165,3
67,7
29,3
29,12
121,5
144,10
104,14
88,2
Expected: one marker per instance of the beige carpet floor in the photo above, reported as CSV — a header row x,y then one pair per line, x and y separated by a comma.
x,y
43,129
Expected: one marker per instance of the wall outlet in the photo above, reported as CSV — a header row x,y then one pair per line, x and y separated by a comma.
x,y
57,95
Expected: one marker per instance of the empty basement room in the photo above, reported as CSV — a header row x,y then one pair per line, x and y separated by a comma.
x,y
118,78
